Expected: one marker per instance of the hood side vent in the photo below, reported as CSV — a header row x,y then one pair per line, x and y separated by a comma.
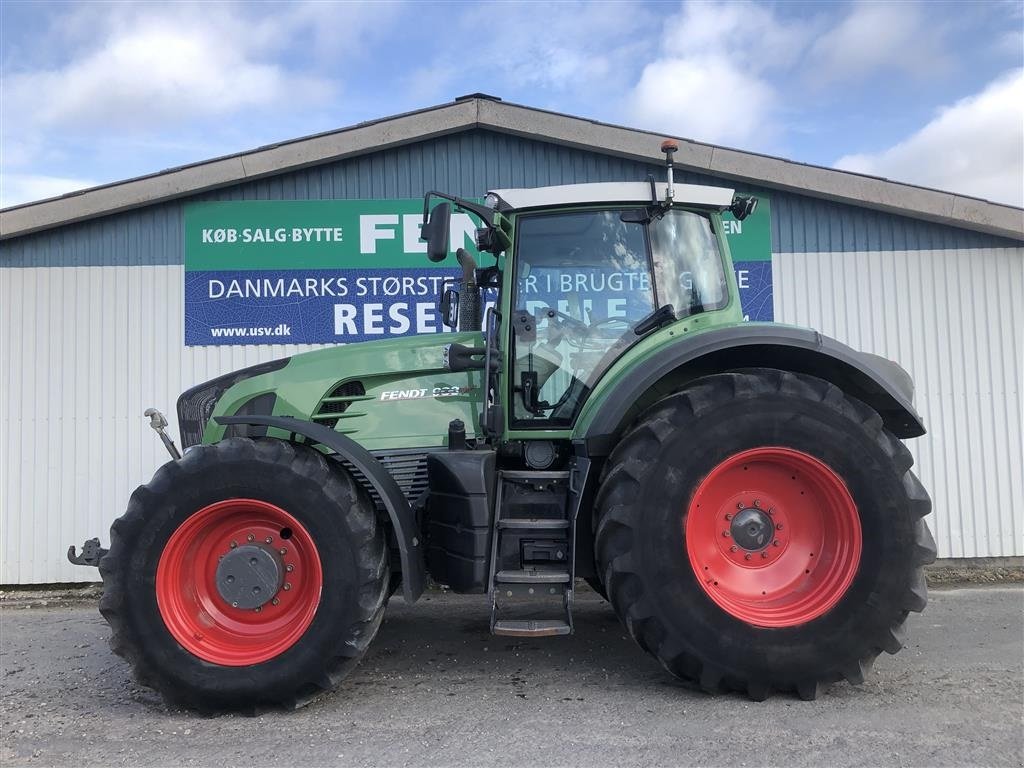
x,y
333,407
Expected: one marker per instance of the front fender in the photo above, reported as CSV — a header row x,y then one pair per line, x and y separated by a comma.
x,y
880,383
401,514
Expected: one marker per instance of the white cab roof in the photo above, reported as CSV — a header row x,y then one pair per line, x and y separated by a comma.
x,y
612,192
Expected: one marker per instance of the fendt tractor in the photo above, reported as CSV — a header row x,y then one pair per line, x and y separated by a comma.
x,y
738,491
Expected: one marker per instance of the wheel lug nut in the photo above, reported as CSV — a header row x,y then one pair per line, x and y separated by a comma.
x,y
746,556
764,555
259,608
771,512
739,505
287,586
778,526
775,543
234,605
289,568
725,533
283,551
234,544
275,601
250,537
757,502
733,548
268,539
728,517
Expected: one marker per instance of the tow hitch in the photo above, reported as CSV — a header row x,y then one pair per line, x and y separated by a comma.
x,y
158,422
91,553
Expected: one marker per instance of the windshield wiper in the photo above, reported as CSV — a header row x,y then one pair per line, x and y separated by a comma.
x,y
661,316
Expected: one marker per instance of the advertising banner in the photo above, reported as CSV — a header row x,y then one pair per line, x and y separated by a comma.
x,y
331,271
750,242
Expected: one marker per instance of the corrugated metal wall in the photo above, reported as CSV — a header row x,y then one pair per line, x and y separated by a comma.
x,y
91,334
952,319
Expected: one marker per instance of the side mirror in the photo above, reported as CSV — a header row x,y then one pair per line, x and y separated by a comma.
x,y
448,307
436,232
742,207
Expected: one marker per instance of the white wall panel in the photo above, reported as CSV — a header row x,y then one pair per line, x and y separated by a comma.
x,y
953,319
84,350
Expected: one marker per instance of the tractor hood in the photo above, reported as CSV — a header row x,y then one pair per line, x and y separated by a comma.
x,y
388,394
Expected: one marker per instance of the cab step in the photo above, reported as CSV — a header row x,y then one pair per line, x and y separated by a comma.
x,y
531,628
533,523
532,576
532,542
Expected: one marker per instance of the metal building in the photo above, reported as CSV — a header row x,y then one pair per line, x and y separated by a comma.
x,y
92,296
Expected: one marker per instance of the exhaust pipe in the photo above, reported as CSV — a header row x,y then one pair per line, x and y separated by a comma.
x,y
470,318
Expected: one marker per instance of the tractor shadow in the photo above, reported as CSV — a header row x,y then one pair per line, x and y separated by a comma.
x,y
446,637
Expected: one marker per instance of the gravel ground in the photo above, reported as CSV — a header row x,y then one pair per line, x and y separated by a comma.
x,y
437,689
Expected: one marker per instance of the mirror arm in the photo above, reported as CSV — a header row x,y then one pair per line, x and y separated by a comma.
x,y
486,214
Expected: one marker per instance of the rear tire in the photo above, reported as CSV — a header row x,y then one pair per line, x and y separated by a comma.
x,y
688,585
161,584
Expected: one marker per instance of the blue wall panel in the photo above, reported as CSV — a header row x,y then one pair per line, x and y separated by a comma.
x,y
467,164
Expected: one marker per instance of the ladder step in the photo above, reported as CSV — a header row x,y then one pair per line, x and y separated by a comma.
x,y
533,523
521,628
535,475
532,576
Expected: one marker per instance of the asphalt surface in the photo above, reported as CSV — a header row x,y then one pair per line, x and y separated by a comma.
x,y
437,689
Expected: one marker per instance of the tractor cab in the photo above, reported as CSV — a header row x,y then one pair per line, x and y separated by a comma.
x,y
585,272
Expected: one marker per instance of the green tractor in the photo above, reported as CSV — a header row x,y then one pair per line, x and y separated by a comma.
x,y
739,492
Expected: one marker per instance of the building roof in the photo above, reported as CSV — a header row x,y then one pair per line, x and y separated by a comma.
x,y
482,111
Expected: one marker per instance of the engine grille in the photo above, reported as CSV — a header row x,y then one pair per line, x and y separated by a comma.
x,y
196,405
408,468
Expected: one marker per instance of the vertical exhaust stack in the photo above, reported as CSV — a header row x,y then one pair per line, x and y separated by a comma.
x,y
470,318
669,147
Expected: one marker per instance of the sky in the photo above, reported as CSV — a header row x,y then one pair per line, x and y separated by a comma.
x,y
927,93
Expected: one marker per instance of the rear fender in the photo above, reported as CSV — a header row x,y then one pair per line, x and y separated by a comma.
x,y
401,514
880,383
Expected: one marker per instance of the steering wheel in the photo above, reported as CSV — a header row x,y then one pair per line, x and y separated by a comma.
x,y
580,334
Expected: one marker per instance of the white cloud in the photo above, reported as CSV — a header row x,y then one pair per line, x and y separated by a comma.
x,y
17,188
974,147
711,80
749,35
164,65
703,98
879,36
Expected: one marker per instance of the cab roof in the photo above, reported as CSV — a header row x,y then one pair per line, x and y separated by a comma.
x,y
610,192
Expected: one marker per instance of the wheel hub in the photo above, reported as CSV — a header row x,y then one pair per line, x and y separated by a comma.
x,y
752,529
249,576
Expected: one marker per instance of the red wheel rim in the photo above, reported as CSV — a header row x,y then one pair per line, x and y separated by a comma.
x,y
203,621
813,545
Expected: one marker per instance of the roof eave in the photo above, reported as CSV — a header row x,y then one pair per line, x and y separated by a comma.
x,y
247,166
761,170
750,168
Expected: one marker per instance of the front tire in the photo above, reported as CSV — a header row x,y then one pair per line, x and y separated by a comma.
x,y
247,573
760,531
